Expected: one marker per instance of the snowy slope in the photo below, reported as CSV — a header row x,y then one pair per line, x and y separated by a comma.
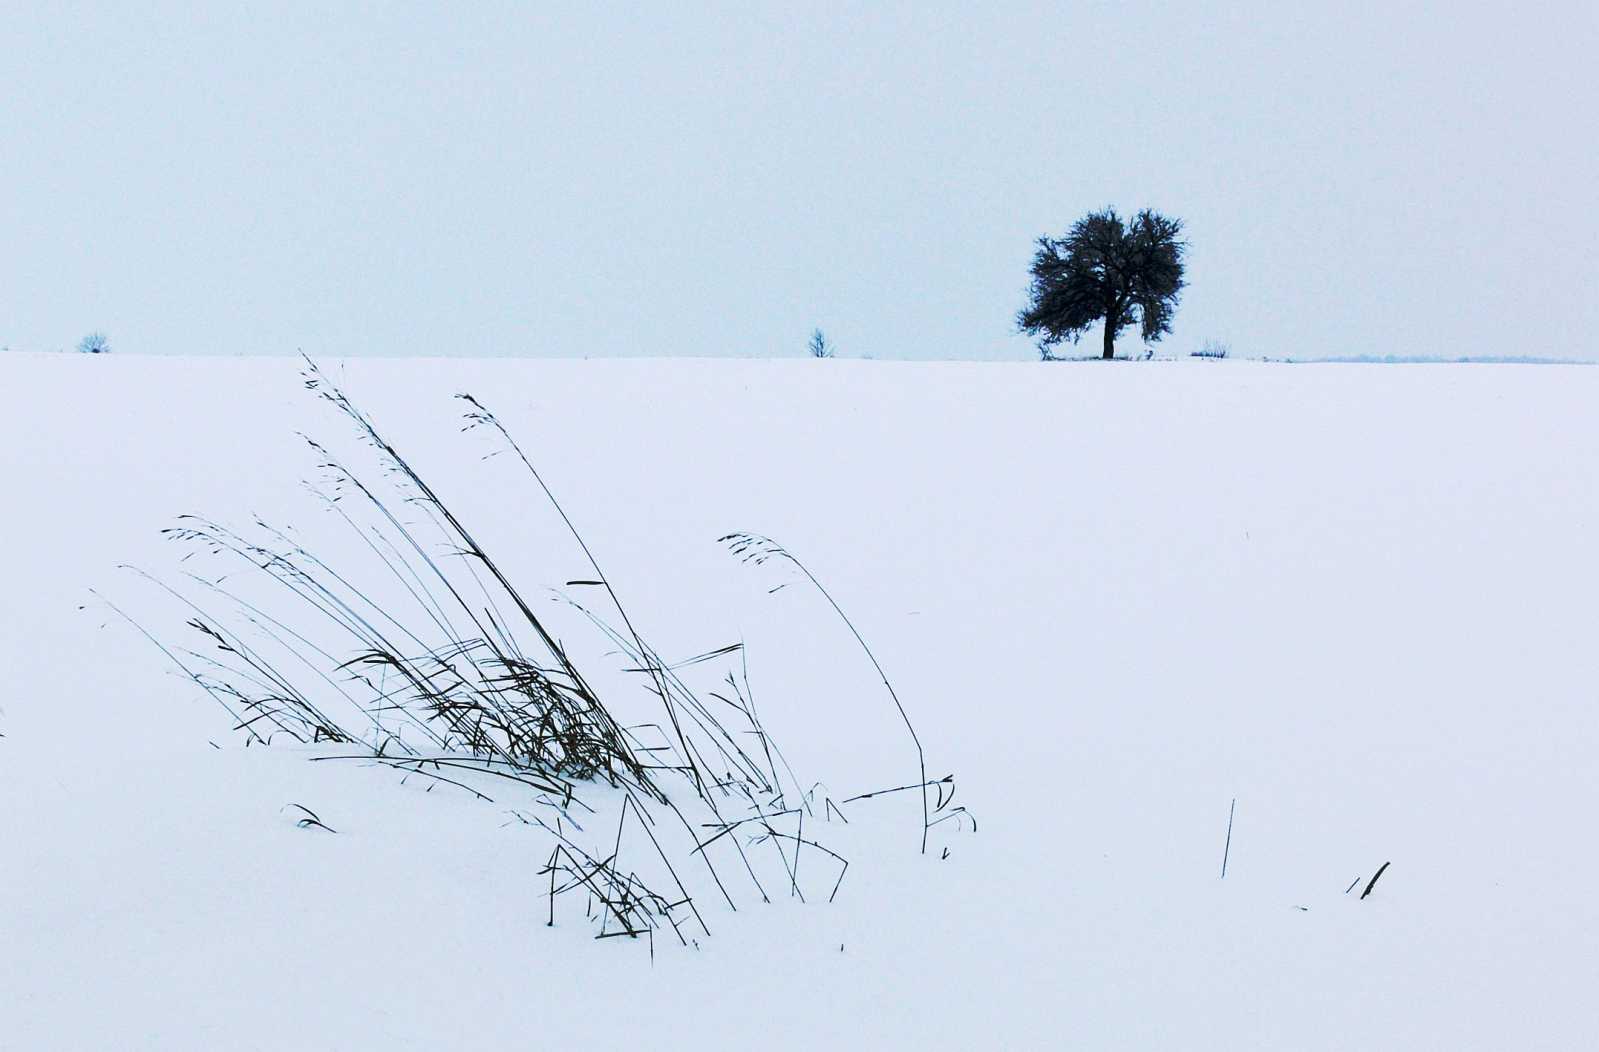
x,y
1358,599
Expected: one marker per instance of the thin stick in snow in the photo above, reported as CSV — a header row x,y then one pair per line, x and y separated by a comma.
x,y
1228,847
1374,877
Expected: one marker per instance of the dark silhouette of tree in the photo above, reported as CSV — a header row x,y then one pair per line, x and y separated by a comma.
x,y
819,347
1105,270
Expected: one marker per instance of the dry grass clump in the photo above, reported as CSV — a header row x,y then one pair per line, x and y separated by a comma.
x,y
463,684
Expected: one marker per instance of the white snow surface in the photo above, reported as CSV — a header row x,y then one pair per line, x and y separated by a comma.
x,y
1358,599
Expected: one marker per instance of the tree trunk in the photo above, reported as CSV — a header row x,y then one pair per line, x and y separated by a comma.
x,y
1110,338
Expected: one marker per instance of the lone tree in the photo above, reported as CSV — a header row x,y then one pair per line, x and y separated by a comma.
x,y
1105,269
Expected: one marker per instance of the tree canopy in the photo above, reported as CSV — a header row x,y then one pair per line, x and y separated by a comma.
x,y
1105,269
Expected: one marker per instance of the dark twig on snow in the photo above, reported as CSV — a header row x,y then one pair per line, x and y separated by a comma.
x,y
1374,876
1228,846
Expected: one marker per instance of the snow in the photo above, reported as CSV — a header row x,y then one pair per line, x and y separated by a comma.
x,y
1359,599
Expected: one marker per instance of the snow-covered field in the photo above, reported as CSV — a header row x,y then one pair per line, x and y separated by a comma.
x,y
1358,599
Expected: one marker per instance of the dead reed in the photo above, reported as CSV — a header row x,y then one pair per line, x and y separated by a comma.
x,y
472,689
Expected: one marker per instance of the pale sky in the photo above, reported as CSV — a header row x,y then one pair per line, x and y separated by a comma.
x,y
543,180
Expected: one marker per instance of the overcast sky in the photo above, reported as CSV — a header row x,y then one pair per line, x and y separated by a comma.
x,y
477,179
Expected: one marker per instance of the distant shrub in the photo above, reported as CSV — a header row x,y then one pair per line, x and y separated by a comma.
x,y
94,343
819,347
1213,349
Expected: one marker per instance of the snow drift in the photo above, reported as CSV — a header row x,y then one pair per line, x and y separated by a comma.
x,y
1358,599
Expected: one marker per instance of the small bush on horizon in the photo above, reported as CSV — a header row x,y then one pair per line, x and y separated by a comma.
x,y
94,343
818,345
1212,349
